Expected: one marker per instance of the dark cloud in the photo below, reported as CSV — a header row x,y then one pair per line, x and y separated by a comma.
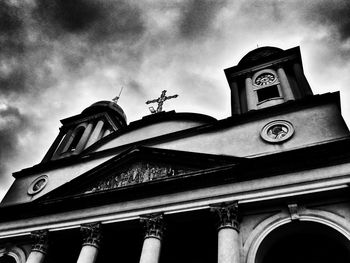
x,y
14,82
197,17
332,13
13,124
72,16
11,29
98,20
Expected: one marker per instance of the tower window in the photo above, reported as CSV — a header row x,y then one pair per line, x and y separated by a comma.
x,y
268,93
77,136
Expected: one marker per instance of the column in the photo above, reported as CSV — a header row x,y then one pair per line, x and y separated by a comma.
x,y
235,99
106,132
95,134
228,233
63,145
91,234
303,84
39,248
84,138
251,97
286,89
154,227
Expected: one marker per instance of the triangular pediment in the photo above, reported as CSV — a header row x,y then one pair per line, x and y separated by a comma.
x,y
140,167
138,172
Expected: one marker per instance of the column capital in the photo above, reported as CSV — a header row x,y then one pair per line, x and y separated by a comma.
x,y
91,234
228,215
41,240
153,225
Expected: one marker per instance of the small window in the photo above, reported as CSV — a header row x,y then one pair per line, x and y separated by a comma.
x,y
268,93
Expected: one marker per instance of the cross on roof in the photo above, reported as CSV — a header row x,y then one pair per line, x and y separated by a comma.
x,y
160,102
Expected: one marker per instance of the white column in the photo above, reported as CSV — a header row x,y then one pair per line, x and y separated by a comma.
x,y
39,249
84,138
251,97
286,89
106,132
228,234
154,227
64,144
95,134
91,240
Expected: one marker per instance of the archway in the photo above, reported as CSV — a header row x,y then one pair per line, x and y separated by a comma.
x,y
304,242
7,259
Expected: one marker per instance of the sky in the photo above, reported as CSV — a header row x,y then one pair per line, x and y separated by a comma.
x,y
58,57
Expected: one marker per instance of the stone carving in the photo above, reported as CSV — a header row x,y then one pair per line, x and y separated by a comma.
x,y
135,174
294,211
154,225
91,234
228,215
40,238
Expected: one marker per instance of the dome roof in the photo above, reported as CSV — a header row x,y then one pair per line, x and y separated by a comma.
x,y
259,53
109,106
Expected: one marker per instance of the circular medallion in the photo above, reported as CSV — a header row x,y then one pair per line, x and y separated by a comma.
x,y
265,79
277,131
37,185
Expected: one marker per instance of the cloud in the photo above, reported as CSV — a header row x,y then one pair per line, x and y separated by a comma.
x,y
13,124
334,14
197,17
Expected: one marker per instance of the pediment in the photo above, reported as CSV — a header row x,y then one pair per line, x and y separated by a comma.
x,y
137,172
140,167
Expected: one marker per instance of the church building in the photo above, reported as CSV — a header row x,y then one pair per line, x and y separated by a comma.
x,y
268,184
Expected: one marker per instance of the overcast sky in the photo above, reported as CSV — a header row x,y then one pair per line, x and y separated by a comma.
x,y
57,57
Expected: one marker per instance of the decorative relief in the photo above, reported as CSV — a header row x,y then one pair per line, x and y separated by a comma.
x,y
294,211
228,215
91,234
138,173
40,238
154,225
277,131
37,185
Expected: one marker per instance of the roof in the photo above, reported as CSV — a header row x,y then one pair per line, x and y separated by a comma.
x,y
259,53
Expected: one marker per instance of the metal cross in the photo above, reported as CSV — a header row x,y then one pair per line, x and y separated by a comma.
x,y
160,102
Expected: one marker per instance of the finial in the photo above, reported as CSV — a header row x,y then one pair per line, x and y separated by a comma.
x,y
117,97
160,102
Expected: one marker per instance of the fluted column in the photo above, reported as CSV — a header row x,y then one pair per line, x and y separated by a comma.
x,y
82,142
286,89
228,233
251,97
92,235
154,227
39,248
95,135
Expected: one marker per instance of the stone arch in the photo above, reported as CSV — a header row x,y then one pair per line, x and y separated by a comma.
x,y
13,252
264,228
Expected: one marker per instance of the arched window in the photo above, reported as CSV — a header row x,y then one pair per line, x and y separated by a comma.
x,y
76,136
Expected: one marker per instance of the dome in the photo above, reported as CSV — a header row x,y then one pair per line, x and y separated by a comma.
x,y
258,54
108,106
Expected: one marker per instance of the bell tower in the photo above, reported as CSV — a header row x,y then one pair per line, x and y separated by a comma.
x,y
265,77
81,131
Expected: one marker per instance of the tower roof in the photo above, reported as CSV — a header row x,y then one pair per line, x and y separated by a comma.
x,y
259,53
108,106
